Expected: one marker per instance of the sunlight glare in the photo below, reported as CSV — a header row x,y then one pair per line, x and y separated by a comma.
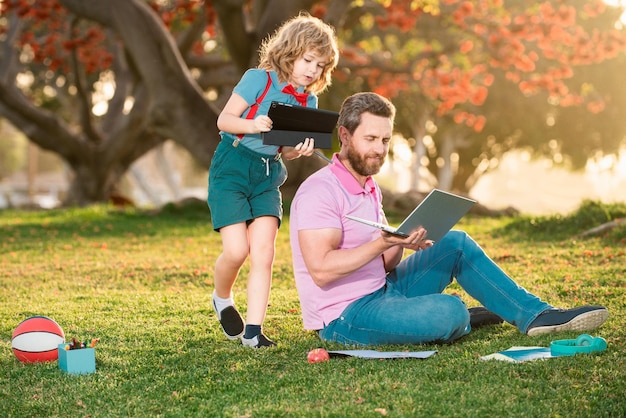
x,y
618,3
128,105
620,167
49,91
24,80
104,90
100,108
401,151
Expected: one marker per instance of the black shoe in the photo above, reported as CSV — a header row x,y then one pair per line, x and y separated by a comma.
x,y
231,322
584,318
481,316
257,342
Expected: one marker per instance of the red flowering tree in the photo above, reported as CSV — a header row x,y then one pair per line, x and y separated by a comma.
x,y
477,78
101,83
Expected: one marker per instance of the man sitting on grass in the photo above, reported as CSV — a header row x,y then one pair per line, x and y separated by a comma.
x,y
354,287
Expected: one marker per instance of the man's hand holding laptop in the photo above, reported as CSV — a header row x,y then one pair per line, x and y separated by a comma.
x,y
415,241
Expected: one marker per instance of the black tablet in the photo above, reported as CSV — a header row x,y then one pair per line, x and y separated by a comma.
x,y
292,124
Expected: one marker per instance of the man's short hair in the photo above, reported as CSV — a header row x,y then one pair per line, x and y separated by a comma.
x,y
354,106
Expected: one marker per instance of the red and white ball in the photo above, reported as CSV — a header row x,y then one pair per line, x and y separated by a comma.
x,y
36,339
317,355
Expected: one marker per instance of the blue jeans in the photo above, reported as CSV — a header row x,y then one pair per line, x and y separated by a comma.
x,y
410,308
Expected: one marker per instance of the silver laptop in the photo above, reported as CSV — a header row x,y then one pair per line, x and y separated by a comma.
x,y
437,213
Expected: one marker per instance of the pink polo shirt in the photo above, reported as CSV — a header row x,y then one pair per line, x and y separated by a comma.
x,y
322,201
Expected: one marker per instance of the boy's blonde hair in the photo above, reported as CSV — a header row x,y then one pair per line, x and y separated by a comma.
x,y
292,40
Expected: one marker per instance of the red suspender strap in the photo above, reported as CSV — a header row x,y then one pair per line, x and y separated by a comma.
x,y
255,106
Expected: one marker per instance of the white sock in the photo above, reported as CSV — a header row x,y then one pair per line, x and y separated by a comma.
x,y
221,303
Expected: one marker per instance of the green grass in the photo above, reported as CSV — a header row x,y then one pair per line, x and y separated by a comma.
x,y
142,283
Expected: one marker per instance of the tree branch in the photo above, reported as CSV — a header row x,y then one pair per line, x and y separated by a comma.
x,y
175,97
84,100
40,126
194,32
236,35
123,77
602,229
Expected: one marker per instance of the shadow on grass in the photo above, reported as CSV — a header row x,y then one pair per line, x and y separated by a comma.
x,y
102,221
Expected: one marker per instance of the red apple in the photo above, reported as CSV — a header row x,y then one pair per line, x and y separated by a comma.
x,y
317,355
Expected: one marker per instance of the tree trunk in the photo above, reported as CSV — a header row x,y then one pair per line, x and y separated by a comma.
x,y
446,170
419,152
91,183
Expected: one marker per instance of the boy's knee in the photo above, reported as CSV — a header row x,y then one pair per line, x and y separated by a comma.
x,y
234,256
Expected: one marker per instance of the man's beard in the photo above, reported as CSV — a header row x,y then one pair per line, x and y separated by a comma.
x,y
361,167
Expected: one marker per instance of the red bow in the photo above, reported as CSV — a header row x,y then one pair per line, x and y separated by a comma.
x,y
300,97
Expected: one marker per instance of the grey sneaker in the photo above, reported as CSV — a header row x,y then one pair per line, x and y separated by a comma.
x,y
585,318
257,342
231,321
